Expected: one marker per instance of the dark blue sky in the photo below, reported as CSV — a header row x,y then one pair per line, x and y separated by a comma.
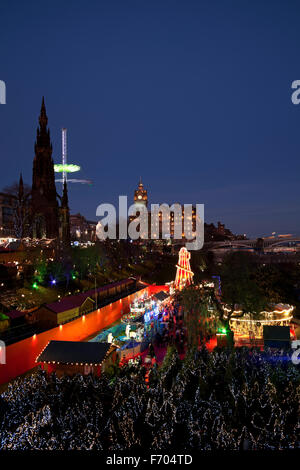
x,y
194,96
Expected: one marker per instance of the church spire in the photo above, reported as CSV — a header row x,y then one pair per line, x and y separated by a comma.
x,y
43,119
42,133
44,202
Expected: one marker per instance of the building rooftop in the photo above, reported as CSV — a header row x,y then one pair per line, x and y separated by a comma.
x,y
14,314
161,296
67,303
73,301
75,352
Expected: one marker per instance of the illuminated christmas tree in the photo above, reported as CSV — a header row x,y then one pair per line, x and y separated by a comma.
x,y
184,275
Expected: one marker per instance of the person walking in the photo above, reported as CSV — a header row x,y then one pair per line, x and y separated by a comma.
x,y
151,350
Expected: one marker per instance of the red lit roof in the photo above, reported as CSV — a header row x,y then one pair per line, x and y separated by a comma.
x,y
67,303
73,301
15,314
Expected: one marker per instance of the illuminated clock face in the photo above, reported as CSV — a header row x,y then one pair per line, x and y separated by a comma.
x,y
139,197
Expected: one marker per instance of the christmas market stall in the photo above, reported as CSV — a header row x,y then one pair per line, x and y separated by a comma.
x,y
73,357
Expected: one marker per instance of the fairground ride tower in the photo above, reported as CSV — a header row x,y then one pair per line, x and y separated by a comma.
x,y
184,274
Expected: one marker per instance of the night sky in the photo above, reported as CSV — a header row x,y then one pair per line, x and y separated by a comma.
x,y
193,96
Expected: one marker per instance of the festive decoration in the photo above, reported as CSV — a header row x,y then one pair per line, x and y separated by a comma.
x,y
245,400
247,326
68,168
221,331
184,275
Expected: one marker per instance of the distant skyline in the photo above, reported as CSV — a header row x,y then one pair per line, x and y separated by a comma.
x,y
193,96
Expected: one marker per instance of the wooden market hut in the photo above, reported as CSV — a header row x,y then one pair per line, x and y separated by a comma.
x,y
67,309
75,357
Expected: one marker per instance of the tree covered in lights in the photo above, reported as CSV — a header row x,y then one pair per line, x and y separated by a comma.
x,y
196,302
224,400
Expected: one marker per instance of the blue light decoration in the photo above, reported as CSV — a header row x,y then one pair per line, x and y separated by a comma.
x,y
147,317
219,287
153,312
53,282
156,311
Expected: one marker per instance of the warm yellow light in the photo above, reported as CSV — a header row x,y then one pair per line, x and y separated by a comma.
x,y
275,320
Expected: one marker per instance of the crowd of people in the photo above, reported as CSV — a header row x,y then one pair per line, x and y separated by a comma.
x,y
224,400
167,328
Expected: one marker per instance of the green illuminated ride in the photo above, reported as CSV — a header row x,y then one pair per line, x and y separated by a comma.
x,y
65,167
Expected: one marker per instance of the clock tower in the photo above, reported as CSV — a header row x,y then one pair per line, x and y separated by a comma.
x,y
140,195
